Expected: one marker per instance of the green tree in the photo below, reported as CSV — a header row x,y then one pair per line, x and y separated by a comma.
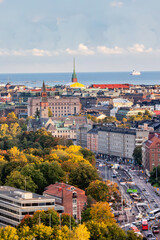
x,y
137,154
66,219
83,175
36,175
52,172
98,190
155,176
37,113
17,180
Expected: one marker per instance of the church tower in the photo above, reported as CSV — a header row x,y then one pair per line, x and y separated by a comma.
x,y
44,103
74,76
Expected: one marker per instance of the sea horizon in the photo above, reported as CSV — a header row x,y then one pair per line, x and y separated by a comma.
x,y
86,78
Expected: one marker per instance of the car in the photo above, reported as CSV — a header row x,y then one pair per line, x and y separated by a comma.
x,y
141,178
147,193
156,205
152,200
150,236
144,189
155,229
114,176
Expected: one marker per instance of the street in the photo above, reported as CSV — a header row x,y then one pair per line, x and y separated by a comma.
x,y
138,205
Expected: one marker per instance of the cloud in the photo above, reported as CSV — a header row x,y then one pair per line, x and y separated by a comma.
x,y
82,50
31,52
116,4
106,50
139,48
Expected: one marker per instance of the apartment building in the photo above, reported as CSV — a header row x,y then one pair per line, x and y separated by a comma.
x,y
16,203
114,141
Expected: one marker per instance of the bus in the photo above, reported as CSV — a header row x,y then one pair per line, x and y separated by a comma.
x,y
144,225
155,211
135,230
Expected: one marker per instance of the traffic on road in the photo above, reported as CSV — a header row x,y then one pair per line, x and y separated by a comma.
x,y
141,203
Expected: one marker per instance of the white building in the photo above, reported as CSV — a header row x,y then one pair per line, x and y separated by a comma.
x,y
16,203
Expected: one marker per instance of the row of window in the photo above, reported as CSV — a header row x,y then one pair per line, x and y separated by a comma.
x,y
10,217
153,150
7,223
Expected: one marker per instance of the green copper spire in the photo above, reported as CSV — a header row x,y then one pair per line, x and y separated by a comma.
x,y
74,72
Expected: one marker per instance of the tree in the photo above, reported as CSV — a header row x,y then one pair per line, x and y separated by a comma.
x,y
155,176
16,155
83,175
81,233
98,190
11,116
66,219
52,172
98,231
50,114
101,212
17,180
8,233
137,154
88,155
14,129
42,232
36,175
63,234
25,233
37,113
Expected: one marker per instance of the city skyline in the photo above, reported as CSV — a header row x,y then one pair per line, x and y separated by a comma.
x,y
38,36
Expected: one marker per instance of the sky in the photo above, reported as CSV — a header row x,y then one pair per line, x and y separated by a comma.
x,y
103,35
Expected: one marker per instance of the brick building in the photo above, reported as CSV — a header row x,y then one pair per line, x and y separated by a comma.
x,y
71,198
151,152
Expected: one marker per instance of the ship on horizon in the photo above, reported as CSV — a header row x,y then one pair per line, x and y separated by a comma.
x,y
135,73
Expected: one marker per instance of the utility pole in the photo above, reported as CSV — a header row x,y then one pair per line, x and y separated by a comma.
x,y
50,219
25,183
156,174
79,212
105,172
60,220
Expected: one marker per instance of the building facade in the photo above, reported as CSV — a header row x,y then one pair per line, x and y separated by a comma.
x,y
114,141
151,152
60,106
71,198
16,203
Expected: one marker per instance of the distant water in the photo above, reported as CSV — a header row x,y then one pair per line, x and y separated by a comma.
x,y
87,78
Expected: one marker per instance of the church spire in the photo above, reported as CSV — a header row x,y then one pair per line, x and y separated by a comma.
x,y
43,87
74,76
44,102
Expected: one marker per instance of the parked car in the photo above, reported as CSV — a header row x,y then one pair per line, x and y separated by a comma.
x,y
150,236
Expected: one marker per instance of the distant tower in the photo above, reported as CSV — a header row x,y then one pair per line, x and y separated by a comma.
x,y
74,76
44,103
